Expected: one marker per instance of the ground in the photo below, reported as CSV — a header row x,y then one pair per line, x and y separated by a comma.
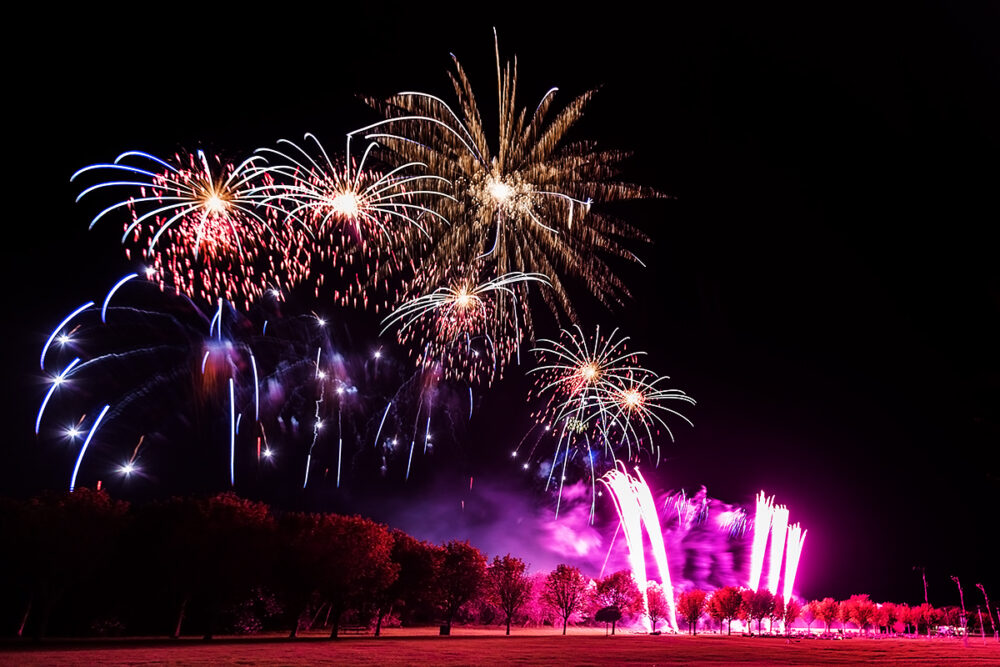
x,y
585,646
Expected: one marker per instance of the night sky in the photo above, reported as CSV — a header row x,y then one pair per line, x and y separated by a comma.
x,y
821,280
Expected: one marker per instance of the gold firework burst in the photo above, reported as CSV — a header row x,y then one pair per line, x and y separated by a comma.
x,y
525,203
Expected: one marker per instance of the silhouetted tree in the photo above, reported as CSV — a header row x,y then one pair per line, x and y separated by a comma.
x,y
61,538
691,605
460,577
509,586
620,591
414,588
358,565
565,590
725,605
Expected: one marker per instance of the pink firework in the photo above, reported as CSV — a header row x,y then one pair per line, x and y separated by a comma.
x,y
635,507
796,538
779,526
761,529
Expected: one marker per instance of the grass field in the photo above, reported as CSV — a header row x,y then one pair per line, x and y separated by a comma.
x,y
489,647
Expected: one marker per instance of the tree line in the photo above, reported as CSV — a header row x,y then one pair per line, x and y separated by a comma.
x,y
77,564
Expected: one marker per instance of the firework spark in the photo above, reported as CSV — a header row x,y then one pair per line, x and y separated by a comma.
x,y
354,212
204,226
523,204
464,327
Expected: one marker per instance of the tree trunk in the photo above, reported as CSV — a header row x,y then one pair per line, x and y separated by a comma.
x,y
295,622
508,626
335,628
378,623
729,625
180,616
613,624
565,621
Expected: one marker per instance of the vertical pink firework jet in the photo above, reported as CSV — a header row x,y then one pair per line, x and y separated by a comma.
x,y
779,527
635,506
761,529
796,538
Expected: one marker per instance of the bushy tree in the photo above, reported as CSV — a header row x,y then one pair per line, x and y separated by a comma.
x,y
414,589
793,609
61,539
826,610
656,604
566,591
860,611
620,591
358,563
808,615
691,605
461,577
724,606
757,605
509,586
777,611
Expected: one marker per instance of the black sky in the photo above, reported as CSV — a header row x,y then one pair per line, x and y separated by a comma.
x,y
822,281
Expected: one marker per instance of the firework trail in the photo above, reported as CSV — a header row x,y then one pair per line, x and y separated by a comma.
x,y
634,504
181,377
522,204
793,551
464,328
204,227
761,529
779,529
599,402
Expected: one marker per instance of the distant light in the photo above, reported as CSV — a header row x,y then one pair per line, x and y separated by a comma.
x,y
268,453
322,375
319,425
127,468
340,390
321,321
378,354
525,466
150,272
58,380
63,339
73,432
513,454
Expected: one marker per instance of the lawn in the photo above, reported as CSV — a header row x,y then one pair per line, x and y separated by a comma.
x,y
489,647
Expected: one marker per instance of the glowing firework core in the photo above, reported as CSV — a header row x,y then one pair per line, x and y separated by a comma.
x,y
346,204
215,203
632,398
499,190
